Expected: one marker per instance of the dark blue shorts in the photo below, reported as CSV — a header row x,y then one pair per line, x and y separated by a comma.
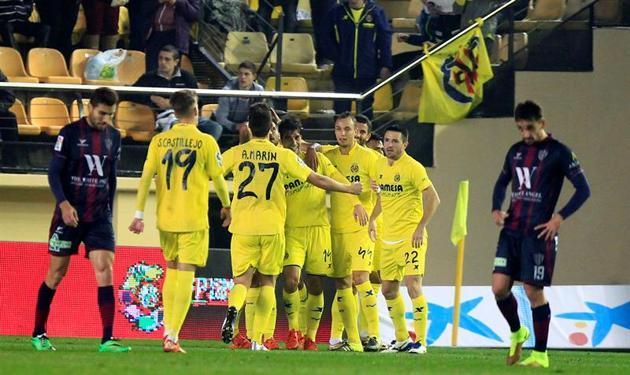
x,y
526,258
96,235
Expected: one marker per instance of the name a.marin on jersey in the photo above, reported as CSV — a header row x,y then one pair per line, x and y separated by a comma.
x,y
259,155
180,143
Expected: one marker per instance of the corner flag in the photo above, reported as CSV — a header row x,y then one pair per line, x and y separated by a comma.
x,y
459,229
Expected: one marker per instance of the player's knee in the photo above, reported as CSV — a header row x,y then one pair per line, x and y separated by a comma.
x,y
291,284
534,294
343,283
500,291
390,293
54,277
375,278
314,285
360,277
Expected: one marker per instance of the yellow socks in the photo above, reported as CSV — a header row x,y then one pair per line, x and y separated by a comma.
x,y
377,289
236,298
181,301
168,295
314,309
336,323
250,309
420,314
348,310
396,309
292,307
369,304
263,311
303,314
270,327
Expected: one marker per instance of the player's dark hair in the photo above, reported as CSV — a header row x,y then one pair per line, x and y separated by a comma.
x,y
246,64
345,115
364,120
528,110
103,95
171,48
183,102
289,124
259,119
401,130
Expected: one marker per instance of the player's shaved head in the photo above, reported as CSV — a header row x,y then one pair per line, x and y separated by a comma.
x,y
184,103
260,119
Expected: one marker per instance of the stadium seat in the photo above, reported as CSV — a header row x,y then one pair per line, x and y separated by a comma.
x,y
242,46
409,102
49,66
546,10
79,59
402,47
186,64
573,6
132,67
383,100
608,12
298,54
24,126
299,107
12,66
49,114
413,11
520,49
208,109
137,120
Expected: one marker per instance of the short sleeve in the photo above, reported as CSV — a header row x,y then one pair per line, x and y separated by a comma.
x,y
295,166
228,161
62,145
421,178
214,161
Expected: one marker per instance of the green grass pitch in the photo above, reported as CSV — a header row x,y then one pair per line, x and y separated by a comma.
x,y
79,356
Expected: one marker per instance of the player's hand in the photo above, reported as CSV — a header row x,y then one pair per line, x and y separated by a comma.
x,y
69,214
499,216
311,158
418,237
385,73
226,216
356,188
360,215
136,226
375,187
372,230
550,228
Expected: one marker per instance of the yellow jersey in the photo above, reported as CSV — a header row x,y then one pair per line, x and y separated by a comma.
x,y
259,204
306,203
183,160
402,184
358,166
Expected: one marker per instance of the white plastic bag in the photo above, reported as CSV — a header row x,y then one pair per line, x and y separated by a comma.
x,y
104,66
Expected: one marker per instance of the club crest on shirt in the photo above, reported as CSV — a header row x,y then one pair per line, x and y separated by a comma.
x,y
397,177
82,143
518,156
542,154
354,168
369,18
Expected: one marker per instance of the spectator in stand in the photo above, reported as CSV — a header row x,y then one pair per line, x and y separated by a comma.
x,y
60,16
169,74
167,22
319,12
14,15
8,127
289,8
102,24
358,40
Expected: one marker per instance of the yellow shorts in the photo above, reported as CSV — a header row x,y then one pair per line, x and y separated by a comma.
x,y
186,247
401,259
309,248
264,253
351,252
376,260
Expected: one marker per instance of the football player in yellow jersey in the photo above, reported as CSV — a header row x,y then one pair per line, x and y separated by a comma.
x,y
352,247
308,244
258,216
407,201
363,134
183,160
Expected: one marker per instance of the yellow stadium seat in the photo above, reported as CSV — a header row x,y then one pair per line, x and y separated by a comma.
x,y
409,102
402,47
298,54
297,106
546,10
137,120
24,126
241,46
49,66
79,59
49,114
413,11
208,109
383,100
132,67
12,66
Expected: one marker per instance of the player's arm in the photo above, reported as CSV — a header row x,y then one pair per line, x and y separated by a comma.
x,y
359,212
55,169
574,172
228,161
430,202
148,171
498,193
328,184
214,169
113,181
375,213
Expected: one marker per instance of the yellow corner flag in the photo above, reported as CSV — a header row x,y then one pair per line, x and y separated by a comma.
x,y
459,229
454,78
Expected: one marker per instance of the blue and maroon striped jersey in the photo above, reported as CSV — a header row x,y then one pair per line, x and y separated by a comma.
x,y
83,169
537,172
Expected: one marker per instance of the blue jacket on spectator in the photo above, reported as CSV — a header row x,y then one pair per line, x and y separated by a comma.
x,y
358,50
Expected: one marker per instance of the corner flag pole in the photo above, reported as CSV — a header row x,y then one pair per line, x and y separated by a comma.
x,y
458,237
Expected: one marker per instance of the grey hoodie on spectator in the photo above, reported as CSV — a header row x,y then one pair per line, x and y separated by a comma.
x,y
234,110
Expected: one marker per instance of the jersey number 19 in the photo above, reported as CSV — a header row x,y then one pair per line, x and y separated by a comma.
x,y
184,158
